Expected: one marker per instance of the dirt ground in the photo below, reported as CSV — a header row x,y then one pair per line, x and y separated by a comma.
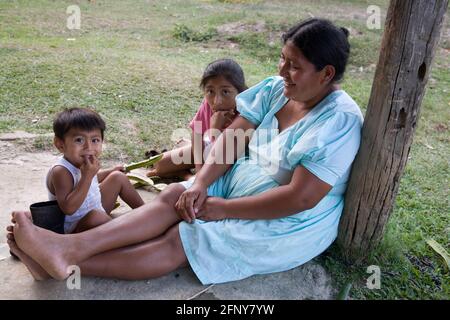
x,y
22,183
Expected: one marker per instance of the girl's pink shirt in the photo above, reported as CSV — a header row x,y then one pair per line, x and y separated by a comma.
x,y
203,116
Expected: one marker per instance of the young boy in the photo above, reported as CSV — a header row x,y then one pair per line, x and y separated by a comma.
x,y
85,194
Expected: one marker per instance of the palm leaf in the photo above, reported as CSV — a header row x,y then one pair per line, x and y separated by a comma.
x,y
440,250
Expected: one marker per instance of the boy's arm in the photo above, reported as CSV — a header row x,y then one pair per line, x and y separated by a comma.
x,y
69,198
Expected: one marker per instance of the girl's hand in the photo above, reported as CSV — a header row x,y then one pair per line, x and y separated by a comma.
x,y
213,209
90,167
190,201
222,119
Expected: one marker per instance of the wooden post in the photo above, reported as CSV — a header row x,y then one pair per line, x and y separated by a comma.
x,y
409,42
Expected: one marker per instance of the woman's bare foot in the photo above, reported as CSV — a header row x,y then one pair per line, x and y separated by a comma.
x,y
35,269
50,250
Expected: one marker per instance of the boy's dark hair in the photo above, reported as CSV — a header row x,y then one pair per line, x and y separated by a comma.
x,y
322,43
227,68
80,118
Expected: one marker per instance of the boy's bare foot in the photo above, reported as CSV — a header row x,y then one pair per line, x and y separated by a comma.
x,y
35,269
50,250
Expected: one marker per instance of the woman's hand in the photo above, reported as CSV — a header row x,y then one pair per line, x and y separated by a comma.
x,y
190,201
213,209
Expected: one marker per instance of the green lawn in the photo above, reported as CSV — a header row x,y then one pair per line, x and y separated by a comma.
x,y
139,63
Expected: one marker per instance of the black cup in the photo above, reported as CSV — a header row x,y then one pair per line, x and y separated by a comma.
x,y
48,215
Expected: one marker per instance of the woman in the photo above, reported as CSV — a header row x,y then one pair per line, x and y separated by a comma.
x,y
252,217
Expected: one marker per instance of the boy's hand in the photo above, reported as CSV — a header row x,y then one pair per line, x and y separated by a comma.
x,y
90,167
222,119
119,167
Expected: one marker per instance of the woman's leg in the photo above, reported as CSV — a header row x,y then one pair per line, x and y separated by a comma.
x,y
35,269
149,259
166,168
117,184
56,252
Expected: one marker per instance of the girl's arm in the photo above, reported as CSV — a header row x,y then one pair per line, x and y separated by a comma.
x,y
197,150
303,192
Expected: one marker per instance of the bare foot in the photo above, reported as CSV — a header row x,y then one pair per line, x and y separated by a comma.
x,y
35,269
50,250
26,213
152,173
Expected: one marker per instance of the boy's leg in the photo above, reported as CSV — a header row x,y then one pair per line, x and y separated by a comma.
x,y
91,220
117,184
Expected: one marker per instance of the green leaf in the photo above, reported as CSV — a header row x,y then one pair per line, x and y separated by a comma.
x,y
144,163
343,294
440,250
142,180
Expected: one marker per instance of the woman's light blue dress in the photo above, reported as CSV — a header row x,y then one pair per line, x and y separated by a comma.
x,y
325,142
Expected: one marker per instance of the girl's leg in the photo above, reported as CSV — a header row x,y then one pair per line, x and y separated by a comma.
x,y
166,168
93,219
117,184
55,252
150,259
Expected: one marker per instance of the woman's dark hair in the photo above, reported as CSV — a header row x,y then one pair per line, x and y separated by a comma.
x,y
322,43
80,118
227,68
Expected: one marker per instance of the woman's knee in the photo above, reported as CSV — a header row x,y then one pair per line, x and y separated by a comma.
x,y
171,193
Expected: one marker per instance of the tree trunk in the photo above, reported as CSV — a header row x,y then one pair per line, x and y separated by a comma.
x,y
409,42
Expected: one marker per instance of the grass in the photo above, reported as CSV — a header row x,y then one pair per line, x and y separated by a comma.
x,y
139,63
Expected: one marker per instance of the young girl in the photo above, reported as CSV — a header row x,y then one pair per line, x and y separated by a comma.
x,y
222,80
85,194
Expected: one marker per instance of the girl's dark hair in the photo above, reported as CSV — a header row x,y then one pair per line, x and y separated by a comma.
x,y
80,118
227,68
322,43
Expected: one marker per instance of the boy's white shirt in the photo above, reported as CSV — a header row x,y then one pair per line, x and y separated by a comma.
x,y
92,201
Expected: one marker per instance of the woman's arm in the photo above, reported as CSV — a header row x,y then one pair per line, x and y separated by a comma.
x,y
218,161
303,192
237,135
